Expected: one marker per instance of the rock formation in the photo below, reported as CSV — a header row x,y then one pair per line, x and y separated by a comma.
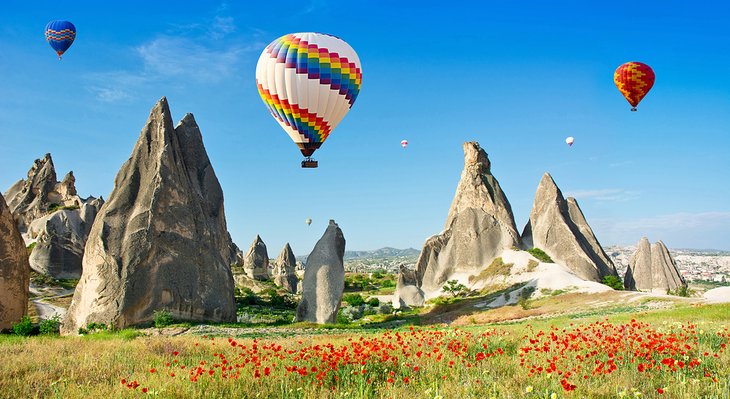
x,y
324,278
14,270
52,216
284,270
160,242
479,226
559,228
407,293
652,269
256,261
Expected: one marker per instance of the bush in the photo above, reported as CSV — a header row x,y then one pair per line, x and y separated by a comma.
x,y
352,313
276,300
94,327
681,291
374,302
162,318
50,326
24,327
353,299
525,294
540,255
30,247
245,296
385,308
455,288
613,282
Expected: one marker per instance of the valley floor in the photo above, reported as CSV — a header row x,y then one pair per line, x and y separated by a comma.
x,y
557,346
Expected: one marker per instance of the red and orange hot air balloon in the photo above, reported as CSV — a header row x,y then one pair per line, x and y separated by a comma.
x,y
634,80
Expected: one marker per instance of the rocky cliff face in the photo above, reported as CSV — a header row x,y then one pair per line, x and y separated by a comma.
x,y
324,278
284,270
479,226
652,269
51,215
559,228
14,270
256,261
160,242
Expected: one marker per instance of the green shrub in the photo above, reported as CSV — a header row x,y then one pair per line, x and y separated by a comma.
x,y
245,296
681,291
613,282
162,318
30,248
540,255
353,299
525,294
374,302
274,299
24,327
94,327
455,288
50,326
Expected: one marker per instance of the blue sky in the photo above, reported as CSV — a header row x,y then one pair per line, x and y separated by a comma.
x,y
518,77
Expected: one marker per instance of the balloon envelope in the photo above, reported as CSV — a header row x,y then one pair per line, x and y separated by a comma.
x,y
308,81
404,143
569,141
60,35
308,222
634,80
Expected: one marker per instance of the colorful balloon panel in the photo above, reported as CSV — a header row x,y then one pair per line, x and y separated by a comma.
x,y
308,81
404,143
569,141
634,80
60,35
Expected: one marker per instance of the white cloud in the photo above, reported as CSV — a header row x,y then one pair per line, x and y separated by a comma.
x,y
674,222
606,194
110,95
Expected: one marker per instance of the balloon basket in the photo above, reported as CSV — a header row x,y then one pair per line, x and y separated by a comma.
x,y
309,163
633,109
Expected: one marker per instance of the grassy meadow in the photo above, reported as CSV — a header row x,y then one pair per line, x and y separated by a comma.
x,y
678,351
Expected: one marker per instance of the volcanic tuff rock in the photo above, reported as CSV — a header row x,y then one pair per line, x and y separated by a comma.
x,y
559,228
479,226
53,216
256,261
652,268
284,270
407,293
14,270
160,241
324,278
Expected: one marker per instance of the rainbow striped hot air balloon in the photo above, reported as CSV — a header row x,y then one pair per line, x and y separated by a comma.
x,y
60,35
634,80
308,81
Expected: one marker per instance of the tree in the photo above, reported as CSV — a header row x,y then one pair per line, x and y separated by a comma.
x,y
455,288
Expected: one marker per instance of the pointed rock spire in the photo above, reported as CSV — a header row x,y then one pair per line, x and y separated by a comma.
x,y
652,269
324,278
256,261
284,270
158,242
559,228
478,227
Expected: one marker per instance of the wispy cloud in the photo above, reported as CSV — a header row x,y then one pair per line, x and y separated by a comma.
x,y
194,53
606,194
674,222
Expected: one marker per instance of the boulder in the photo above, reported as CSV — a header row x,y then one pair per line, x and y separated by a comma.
x,y
256,261
14,270
160,242
479,226
407,293
324,278
559,228
52,216
284,270
652,269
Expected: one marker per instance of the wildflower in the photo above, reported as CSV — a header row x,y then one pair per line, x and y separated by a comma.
x,y
528,389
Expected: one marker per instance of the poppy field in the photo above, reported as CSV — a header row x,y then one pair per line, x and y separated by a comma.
x,y
617,357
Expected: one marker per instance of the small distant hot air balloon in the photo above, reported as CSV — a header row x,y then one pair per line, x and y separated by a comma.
x,y
60,35
404,143
634,80
308,221
569,141
308,81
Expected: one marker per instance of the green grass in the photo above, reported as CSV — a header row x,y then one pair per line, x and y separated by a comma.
x,y
540,255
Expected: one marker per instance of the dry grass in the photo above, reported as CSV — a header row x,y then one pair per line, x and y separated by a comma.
x,y
496,268
531,265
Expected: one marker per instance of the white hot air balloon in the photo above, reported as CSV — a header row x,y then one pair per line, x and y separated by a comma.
x,y
404,143
569,141
308,81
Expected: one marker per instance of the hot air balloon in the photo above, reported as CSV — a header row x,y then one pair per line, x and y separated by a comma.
x,y
308,221
60,35
404,143
569,141
308,81
634,80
